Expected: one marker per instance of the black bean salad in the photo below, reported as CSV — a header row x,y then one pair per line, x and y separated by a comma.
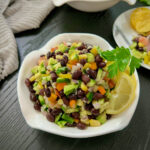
x,y
70,85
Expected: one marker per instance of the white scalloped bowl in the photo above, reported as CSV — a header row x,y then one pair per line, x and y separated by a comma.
x,y
91,5
38,121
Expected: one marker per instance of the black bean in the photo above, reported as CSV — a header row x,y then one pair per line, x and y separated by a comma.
x,y
42,92
37,106
75,115
53,76
65,58
71,125
97,96
42,55
63,63
61,93
56,111
141,49
49,110
95,112
48,83
77,74
85,100
81,125
85,78
101,64
81,53
59,53
108,116
136,39
88,107
49,54
98,59
50,117
92,73
72,97
83,62
31,89
80,93
47,92
33,97
65,100
83,46
27,82
91,117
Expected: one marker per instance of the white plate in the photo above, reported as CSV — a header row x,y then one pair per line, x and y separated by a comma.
x,y
123,33
38,121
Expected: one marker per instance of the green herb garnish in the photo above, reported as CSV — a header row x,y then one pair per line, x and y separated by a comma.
x,y
120,58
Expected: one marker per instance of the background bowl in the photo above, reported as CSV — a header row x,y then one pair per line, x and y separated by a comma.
x,y
123,32
38,121
90,5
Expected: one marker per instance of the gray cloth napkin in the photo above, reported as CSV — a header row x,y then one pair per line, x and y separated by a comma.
x,y
17,16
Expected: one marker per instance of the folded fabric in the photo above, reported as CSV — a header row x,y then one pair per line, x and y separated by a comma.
x,y
17,16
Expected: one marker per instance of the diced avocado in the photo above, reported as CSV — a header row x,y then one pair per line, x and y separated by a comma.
x,y
74,56
52,61
59,56
63,108
67,118
99,75
43,70
58,117
80,102
102,118
134,44
62,80
108,94
90,57
62,47
45,107
61,123
89,96
34,77
61,70
91,83
71,110
56,66
41,99
68,89
35,84
75,45
138,54
34,70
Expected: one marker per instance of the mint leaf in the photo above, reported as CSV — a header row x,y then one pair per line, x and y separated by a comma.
x,y
135,63
113,70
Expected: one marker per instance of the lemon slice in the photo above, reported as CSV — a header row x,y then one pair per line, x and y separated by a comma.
x,y
123,95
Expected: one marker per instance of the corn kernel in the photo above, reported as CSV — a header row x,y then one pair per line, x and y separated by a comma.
x,y
68,76
84,87
146,60
83,56
87,65
140,44
94,51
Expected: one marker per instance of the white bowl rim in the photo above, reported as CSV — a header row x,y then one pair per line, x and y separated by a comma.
x,y
67,134
125,12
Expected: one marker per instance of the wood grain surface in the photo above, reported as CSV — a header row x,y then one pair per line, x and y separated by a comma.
x,y
15,134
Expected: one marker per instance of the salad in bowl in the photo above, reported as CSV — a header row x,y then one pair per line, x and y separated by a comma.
x,y
78,81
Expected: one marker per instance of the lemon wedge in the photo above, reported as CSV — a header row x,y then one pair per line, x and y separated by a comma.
x,y
123,95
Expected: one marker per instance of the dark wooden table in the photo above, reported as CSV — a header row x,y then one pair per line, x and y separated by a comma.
x,y
15,134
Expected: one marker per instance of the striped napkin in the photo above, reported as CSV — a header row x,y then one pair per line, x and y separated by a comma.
x,y
17,16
